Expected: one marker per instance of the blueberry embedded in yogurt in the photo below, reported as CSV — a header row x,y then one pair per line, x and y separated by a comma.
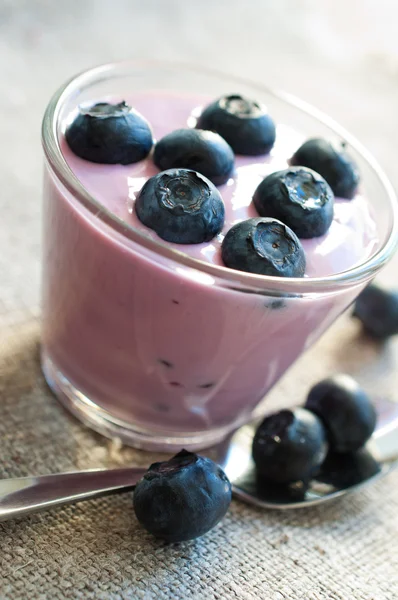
x,y
181,206
202,151
182,498
289,446
109,134
332,162
300,198
242,122
264,246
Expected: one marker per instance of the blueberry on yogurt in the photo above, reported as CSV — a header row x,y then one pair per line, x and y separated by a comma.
x,y
263,246
300,198
109,134
182,498
182,206
242,122
332,162
377,310
202,151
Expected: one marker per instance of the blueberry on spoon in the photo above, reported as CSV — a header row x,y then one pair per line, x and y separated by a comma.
x,y
182,206
110,134
377,310
263,246
345,410
202,151
182,498
330,161
242,122
289,446
343,470
298,197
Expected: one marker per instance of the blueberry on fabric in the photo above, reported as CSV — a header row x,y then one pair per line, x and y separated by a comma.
x,y
182,498
377,310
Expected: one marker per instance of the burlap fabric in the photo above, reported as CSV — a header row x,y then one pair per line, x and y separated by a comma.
x,y
347,550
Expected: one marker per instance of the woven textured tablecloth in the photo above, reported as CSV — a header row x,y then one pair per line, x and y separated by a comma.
x,y
347,550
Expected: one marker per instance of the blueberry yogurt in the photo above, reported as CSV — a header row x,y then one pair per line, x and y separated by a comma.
x,y
160,350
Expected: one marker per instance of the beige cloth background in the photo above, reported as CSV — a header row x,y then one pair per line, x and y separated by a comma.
x,y
341,56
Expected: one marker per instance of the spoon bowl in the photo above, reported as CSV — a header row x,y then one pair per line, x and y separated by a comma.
x,y
340,473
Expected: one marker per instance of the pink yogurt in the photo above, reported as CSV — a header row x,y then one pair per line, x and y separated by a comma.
x,y
162,347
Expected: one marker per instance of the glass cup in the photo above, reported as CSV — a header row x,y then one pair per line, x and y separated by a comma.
x,y
152,346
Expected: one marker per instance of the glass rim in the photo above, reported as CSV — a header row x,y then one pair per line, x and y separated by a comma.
x,y
296,286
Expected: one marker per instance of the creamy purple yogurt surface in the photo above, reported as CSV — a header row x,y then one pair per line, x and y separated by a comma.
x,y
351,238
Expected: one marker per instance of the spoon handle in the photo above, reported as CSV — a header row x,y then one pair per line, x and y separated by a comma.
x,y
22,496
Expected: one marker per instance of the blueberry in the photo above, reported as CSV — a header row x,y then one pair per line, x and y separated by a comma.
x,y
289,445
280,493
203,151
182,206
346,412
276,304
300,198
377,310
110,133
332,162
182,498
343,470
263,246
243,123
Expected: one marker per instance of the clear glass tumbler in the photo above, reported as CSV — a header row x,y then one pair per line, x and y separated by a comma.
x,y
159,349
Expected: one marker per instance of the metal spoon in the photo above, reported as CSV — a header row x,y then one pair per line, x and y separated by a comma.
x,y
340,475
